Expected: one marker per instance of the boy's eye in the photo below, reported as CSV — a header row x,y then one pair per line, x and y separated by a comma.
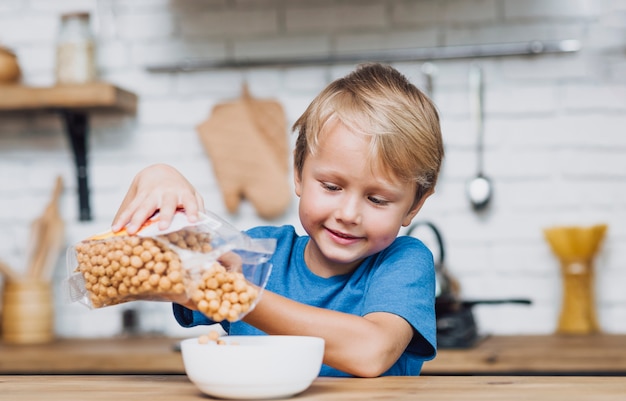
x,y
330,187
377,201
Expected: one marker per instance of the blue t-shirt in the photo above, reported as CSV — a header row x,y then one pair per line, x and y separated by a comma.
x,y
399,280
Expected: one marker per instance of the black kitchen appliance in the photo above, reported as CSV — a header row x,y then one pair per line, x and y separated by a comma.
x,y
456,326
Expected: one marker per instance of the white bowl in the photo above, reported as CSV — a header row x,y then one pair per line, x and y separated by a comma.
x,y
253,367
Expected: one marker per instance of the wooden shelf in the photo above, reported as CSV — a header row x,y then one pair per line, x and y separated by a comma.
x,y
73,103
557,354
91,96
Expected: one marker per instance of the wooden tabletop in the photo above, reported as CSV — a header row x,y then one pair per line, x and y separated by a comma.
x,y
513,355
423,388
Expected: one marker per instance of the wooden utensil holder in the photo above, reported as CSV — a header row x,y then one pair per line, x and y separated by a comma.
x,y
578,311
576,248
27,312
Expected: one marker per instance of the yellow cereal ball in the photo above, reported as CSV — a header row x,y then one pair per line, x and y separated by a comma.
x,y
240,285
154,250
203,306
122,289
102,290
93,279
210,294
154,279
146,256
220,277
136,261
137,250
146,287
197,296
175,276
174,264
134,281
143,274
244,297
159,267
214,305
165,283
95,300
125,261
233,297
212,283
111,292
232,315
178,288
203,339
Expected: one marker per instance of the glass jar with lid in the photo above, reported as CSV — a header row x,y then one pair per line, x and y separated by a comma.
x,y
75,50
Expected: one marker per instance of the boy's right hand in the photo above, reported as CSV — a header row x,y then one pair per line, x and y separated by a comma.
x,y
157,188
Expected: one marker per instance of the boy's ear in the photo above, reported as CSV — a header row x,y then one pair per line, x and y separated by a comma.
x,y
416,208
297,181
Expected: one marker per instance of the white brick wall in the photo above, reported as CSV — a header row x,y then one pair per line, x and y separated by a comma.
x,y
555,136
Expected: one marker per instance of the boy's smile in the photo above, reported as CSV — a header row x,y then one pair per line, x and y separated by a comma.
x,y
349,205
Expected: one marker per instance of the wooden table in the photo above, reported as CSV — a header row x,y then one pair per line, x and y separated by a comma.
x,y
74,103
497,355
423,388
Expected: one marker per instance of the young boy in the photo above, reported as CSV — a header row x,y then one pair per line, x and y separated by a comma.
x,y
367,156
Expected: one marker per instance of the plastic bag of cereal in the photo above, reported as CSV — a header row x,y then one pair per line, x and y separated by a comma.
x,y
208,265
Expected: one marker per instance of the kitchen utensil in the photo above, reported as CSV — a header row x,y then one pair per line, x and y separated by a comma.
x,y
446,286
253,367
479,188
576,248
456,326
46,238
429,70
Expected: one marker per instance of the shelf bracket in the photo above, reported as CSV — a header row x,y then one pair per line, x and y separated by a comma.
x,y
77,129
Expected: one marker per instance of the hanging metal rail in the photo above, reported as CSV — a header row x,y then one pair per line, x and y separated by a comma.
x,y
534,47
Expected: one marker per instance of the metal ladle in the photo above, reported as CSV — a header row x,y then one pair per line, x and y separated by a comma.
x,y
479,188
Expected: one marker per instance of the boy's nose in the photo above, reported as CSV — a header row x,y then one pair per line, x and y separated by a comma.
x,y
349,210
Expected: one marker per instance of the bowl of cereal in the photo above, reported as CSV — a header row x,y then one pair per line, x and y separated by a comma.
x,y
252,367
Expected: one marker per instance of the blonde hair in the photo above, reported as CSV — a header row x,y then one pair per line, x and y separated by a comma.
x,y
378,101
